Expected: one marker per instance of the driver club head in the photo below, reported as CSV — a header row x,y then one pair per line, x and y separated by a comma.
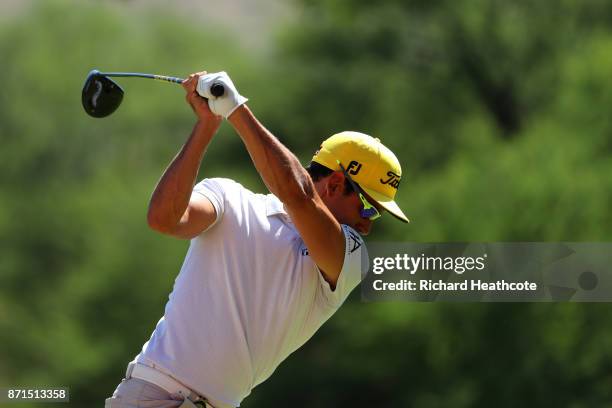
x,y
101,96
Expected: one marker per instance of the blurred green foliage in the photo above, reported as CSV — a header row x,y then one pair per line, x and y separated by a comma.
x,y
497,110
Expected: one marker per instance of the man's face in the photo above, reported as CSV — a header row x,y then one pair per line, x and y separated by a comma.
x,y
345,207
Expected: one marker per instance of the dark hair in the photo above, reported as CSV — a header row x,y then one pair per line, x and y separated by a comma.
x,y
318,171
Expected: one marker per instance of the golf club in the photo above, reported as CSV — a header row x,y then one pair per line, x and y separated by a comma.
x,y
101,96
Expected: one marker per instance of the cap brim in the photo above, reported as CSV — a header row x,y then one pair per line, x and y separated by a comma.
x,y
389,205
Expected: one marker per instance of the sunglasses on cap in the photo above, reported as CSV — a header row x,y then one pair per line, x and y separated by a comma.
x,y
367,210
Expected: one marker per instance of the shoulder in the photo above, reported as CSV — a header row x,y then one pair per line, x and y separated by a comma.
x,y
229,197
224,189
218,184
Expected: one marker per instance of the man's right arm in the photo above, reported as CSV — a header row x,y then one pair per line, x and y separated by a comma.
x,y
173,209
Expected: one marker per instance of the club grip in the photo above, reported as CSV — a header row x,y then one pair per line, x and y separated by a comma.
x,y
166,78
217,90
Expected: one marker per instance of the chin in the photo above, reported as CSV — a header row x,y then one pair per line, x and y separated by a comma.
x,y
361,231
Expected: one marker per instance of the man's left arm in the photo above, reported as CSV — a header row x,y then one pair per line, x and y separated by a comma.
x,y
285,177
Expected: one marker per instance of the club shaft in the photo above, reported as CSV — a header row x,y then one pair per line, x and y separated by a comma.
x,y
141,75
216,89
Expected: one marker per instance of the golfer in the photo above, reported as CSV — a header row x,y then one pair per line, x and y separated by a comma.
x,y
263,272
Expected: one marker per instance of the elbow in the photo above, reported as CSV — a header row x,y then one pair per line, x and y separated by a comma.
x,y
156,222
296,199
302,192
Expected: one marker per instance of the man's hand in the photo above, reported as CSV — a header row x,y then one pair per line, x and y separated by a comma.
x,y
223,105
197,102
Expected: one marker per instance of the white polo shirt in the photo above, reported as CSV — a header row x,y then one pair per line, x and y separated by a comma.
x,y
247,296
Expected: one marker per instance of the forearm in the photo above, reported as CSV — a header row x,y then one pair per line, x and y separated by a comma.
x,y
173,191
280,170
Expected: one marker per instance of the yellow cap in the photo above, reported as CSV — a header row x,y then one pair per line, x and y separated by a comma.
x,y
369,163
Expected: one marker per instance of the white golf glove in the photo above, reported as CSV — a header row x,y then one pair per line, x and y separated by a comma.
x,y
220,105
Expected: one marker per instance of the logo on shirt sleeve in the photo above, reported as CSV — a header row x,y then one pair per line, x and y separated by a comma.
x,y
354,242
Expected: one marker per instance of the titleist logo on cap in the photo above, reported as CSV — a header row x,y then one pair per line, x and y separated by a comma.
x,y
393,180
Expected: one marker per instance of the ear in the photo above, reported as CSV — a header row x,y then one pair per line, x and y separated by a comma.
x,y
335,184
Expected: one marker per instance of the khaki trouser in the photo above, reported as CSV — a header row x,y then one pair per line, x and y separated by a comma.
x,y
137,393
